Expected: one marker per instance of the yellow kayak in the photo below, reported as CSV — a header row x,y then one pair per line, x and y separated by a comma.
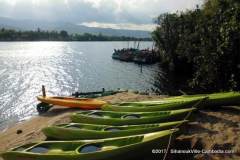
x,y
83,103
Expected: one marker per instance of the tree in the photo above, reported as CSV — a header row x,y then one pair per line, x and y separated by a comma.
x,y
64,34
207,40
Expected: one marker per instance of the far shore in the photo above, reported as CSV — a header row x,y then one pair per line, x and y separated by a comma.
x,y
208,130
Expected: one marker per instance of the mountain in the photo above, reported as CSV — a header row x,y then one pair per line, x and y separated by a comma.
x,y
69,27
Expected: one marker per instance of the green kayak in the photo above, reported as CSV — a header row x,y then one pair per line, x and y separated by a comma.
x,y
78,131
164,101
223,99
129,118
104,149
197,103
215,99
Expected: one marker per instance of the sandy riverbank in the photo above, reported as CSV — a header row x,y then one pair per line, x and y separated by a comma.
x,y
216,130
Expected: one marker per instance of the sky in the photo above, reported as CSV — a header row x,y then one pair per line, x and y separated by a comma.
x,y
120,14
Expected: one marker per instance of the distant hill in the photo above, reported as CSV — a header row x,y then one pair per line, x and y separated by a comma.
x,y
69,27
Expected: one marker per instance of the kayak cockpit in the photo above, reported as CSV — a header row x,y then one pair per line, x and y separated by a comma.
x,y
112,129
131,116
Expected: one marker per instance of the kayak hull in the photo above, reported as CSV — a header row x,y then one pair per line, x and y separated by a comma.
x,y
117,119
77,131
82,103
198,103
106,149
212,100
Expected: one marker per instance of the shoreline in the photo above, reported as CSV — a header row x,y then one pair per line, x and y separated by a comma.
x,y
208,130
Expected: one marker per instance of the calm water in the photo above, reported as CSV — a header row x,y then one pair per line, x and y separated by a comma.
x,y
63,67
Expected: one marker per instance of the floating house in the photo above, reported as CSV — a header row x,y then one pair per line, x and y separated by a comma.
x,y
145,56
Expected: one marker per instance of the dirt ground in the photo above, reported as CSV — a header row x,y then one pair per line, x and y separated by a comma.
x,y
209,130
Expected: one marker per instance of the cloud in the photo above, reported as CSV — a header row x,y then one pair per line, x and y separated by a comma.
x,y
130,26
113,13
142,10
94,3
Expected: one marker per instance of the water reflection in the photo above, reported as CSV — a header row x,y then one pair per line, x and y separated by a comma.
x,y
63,67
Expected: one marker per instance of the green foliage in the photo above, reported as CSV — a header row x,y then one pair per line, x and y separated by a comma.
x,y
167,36
208,40
39,35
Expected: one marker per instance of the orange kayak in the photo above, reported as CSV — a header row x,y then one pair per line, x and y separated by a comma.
x,y
83,103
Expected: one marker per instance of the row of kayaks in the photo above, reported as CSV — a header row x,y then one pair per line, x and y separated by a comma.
x,y
121,131
98,141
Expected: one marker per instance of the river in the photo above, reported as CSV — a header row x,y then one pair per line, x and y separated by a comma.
x,y
63,67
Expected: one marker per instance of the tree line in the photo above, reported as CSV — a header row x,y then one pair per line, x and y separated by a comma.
x,y
202,44
40,35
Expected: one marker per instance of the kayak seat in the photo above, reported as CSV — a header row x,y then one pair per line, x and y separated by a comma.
x,y
39,149
112,129
89,148
131,116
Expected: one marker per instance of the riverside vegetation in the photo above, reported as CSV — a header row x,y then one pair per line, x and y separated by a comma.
x,y
41,35
203,44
